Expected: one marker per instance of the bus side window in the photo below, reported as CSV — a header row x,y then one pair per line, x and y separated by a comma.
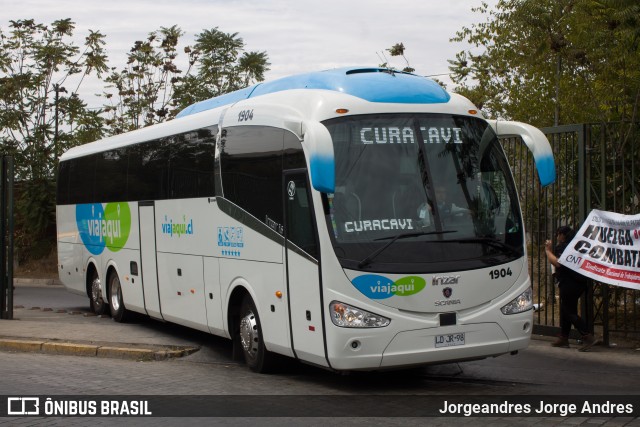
x,y
148,178
111,175
62,197
191,165
293,155
251,167
300,229
81,187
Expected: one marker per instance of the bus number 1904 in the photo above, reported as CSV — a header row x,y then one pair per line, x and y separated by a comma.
x,y
245,115
498,273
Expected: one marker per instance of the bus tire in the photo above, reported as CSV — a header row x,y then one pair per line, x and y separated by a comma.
x,y
116,302
96,302
257,357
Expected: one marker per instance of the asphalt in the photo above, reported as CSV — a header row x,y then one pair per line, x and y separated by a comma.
x,y
68,327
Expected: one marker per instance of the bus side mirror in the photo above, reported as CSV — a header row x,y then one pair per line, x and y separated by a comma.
x,y
322,165
537,143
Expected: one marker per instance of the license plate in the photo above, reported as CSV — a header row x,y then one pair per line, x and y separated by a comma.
x,y
450,340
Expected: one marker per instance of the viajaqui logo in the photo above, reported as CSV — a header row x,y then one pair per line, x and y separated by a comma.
x,y
375,286
177,228
103,227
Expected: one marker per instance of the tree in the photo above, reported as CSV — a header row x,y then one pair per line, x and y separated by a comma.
x,y
144,87
552,61
398,50
222,66
151,88
41,114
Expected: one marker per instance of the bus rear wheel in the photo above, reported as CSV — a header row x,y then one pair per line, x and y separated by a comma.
x,y
118,311
96,302
257,357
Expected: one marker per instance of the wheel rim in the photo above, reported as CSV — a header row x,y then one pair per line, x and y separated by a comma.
x,y
249,337
115,294
96,292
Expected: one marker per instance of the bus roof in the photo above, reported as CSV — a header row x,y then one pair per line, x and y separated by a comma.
x,y
378,85
370,84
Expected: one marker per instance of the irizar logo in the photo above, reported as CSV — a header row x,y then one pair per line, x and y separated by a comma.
x,y
445,280
103,227
177,229
375,286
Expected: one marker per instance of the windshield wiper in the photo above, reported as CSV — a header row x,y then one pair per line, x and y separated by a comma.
x,y
377,252
490,241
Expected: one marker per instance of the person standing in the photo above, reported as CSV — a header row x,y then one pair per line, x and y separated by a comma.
x,y
572,285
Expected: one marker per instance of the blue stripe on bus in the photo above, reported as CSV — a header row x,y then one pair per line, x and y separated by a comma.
x,y
370,84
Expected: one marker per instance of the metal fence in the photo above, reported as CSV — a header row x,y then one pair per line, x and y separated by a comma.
x,y
598,167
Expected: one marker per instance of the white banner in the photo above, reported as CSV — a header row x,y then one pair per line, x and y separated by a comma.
x,y
607,249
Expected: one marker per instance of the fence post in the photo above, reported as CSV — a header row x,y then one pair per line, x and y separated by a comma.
x,y
3,246
583,206
6,238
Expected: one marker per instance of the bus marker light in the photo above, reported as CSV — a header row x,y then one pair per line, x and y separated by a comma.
x,y
193,291
179,293
342,111
312,328
278,294
473,111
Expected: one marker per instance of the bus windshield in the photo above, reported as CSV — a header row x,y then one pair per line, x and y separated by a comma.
x,y
421,193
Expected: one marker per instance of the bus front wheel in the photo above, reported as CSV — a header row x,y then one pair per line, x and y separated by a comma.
x,y
118,312
257,357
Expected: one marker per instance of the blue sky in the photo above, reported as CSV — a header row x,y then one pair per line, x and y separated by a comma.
x,y
298,35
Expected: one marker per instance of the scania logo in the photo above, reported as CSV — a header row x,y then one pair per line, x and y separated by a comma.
x,y
447,292
445,280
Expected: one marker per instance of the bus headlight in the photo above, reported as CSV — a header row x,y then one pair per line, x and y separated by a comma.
x,y
347,316
522,302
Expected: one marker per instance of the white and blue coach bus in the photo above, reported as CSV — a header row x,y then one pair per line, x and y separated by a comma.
x,y
354,219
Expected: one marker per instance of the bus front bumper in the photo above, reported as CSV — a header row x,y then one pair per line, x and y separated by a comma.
x,y
426,346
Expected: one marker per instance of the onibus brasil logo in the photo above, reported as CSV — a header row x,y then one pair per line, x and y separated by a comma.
x,y
376,286
103,227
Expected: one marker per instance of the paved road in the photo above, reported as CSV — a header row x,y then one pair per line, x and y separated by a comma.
x,y
48,296
538,370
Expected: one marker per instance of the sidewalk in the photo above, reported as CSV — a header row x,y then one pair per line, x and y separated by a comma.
x,y
65,325
75,330
20,281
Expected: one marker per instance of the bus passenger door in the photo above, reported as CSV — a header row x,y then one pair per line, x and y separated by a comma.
x,y
146,213
303,272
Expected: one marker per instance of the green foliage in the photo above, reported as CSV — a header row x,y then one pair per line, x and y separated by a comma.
x,y
151,88
144,87
222,66
41,71
549,62
553,61
398,50
42,115
36,209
